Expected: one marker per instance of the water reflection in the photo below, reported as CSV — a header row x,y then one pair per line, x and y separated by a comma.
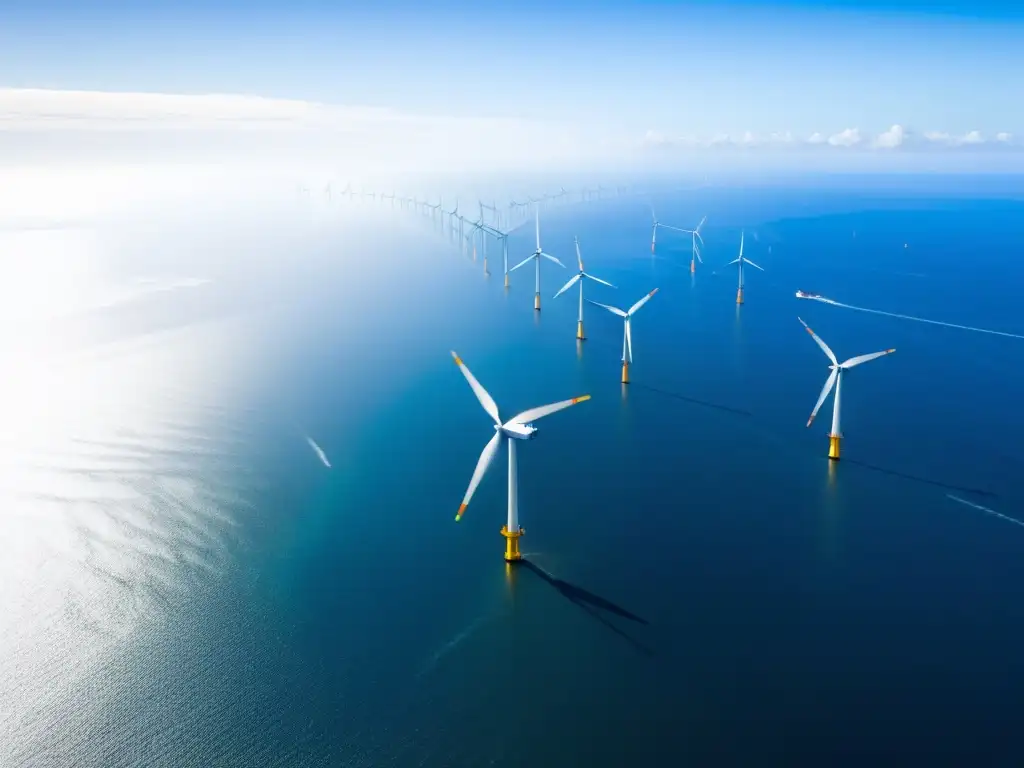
x,y
831,513
107,518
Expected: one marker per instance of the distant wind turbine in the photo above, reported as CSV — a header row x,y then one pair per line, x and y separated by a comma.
x,y
536,256
741,260
627,335
696,241
654,228
578,278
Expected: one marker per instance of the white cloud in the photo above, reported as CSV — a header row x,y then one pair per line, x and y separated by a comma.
x,y
1004,137
148,124
849,138
971,138
655,139
816,138
891,139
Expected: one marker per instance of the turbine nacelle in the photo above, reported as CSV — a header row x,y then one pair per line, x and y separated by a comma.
x,y
517,431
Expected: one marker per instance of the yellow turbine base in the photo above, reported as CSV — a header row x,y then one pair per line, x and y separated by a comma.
x,y
625,373
512,553
486,271
536,302
833,447
579,330
693,266
739,296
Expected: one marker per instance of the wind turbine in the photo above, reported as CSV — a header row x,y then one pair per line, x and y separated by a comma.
x,y
578,278
517,428
654,229
451,216
497,234
836,378
695,238
741,260
480,229
536,255
627,336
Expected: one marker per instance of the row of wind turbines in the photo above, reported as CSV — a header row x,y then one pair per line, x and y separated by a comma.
x,y
521,427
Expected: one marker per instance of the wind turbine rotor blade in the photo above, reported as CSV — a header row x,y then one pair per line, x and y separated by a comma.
x,y
748,261
533,414
567,286
654,218
674,229
734,261
482,465
853,361
697,230
829,383
613,310
642,301
597,279
537,221
527,260
481,394
579,258
819,342
741,244
552,258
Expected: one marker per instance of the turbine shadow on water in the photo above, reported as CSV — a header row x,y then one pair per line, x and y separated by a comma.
x,y
592,604
694,400
918,479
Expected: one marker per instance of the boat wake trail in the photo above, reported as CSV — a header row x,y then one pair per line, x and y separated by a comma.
x,y
319,451
823,300
986,509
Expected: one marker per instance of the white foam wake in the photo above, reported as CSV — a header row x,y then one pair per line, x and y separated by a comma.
x,y
985,509
823,300
319,451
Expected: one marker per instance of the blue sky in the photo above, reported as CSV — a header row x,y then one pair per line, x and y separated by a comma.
x,y
678,69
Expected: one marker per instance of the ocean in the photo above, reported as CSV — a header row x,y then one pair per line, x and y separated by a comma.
x,y
235,441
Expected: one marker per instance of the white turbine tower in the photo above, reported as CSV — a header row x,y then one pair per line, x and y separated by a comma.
x,y
627,335
836,379
578,278
517,428
536,255
741,260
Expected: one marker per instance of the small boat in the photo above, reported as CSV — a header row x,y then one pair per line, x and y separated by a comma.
x,y
806,295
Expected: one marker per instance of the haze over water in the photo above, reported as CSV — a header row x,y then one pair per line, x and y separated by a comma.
x,y
186,582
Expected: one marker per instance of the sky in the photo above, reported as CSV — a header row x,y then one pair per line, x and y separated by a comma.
x,y
638,80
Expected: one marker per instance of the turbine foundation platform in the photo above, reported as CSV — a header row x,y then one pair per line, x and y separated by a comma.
x,y
693,266
512,553
625,373
486,270
536,302
506,279
739,296
833,447
579,331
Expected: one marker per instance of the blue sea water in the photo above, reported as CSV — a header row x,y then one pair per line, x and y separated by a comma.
x,y
185,583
